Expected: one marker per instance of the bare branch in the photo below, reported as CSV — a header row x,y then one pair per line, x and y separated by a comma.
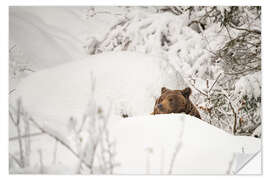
x,y
61,141
178,147
255,31
16,160
25,136
214,83
11,91
17,125
203,93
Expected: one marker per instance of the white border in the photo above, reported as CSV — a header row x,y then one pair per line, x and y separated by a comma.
x,y
4,76
136,2
4,89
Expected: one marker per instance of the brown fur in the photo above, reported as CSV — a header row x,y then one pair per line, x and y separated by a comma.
x,y
175,101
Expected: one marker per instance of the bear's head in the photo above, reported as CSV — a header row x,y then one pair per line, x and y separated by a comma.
x,y
172,101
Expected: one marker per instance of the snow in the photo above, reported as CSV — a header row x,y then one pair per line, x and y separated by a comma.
x,y
249,85
144,143
184,48
204,149
69,83
129,82
59,162
54,40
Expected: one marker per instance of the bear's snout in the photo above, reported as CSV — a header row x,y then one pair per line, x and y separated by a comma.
x,y
159,106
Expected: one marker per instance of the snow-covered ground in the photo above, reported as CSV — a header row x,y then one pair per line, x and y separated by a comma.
x,y
127,82
144,144
160,144
70,88
148,144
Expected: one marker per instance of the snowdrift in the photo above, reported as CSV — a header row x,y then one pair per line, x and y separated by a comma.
x,y
178,144
125,82
162,144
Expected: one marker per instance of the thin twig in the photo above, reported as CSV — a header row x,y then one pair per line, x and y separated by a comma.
x,y
11,48
12,118
54,152
255,31
214,83
25,136
229,170
203,93
27,69
27,141
19,131
41,170
235,115
11,91
228,32
16,160
61,141
178,147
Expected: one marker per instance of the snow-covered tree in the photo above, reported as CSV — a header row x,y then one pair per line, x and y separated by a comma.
x,y
214,48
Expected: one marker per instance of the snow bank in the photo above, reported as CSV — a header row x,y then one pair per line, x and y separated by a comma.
x,y
160,144
147,144
127,82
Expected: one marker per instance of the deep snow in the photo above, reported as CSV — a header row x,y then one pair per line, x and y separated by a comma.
x,y
127,82
204,149
144,144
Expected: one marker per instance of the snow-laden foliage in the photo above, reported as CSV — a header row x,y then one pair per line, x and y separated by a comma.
x,y
163,35
212,47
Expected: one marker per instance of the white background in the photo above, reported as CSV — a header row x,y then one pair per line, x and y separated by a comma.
x,y
4,77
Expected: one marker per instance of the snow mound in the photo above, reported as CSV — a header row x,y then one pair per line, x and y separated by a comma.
x,y
127,82
147,144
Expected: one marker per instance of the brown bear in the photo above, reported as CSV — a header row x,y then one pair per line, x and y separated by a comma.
x,y
175,101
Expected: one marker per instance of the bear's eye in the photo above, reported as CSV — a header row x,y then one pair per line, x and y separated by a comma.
x,y
170,99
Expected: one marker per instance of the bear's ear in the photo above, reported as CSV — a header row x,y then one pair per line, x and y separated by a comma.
x,y
163,90
186,92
